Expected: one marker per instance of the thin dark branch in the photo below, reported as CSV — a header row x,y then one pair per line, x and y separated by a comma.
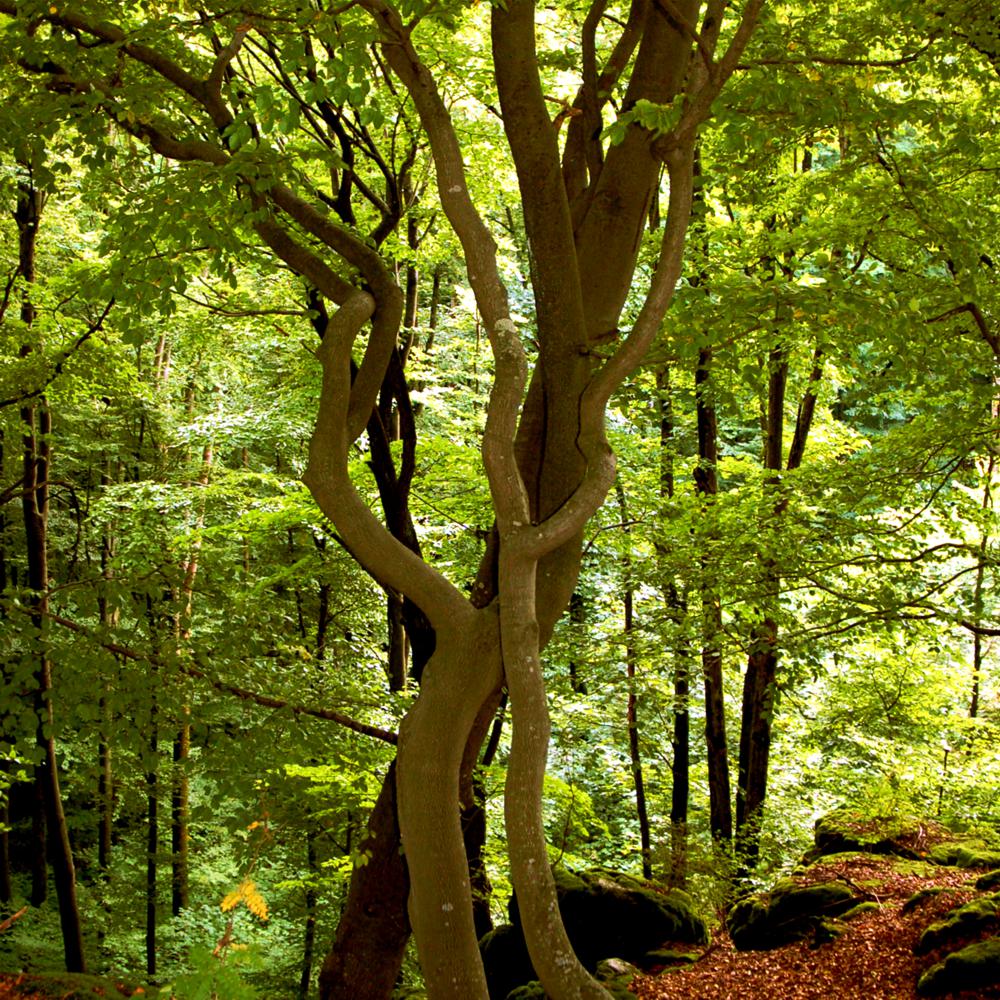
x,y
242,693
811,60
59,365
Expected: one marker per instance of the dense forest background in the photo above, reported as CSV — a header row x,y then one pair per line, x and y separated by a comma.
x,y
201,687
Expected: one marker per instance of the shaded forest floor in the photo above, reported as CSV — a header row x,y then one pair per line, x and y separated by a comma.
x,y
871,959
20,986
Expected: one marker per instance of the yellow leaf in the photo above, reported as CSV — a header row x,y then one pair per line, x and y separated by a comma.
x,y
256,903
230,900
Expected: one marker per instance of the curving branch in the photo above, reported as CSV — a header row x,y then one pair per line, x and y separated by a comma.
x,y
328,478
453,189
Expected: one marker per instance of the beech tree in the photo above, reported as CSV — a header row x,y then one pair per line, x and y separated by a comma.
x,y
197,87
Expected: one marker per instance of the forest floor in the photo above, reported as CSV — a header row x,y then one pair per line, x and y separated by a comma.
x,y
64,987
872,959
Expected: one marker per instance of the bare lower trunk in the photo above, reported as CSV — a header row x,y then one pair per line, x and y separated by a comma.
x,y
152,847
37,431
432,746
755,739
375,921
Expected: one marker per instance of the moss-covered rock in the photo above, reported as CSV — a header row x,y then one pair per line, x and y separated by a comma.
x,y
616,975
789,912
505,960
965,854
535,991
607,915
973,968
991,880
528,991
664,957
851,830
857,911
975,918
921,897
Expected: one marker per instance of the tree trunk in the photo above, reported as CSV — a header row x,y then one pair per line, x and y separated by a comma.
x,y
707,485
680,765
374,922
180,820
432,321
152,842
309,935
977,593
577,616
474,834
762,662
631,702
37,429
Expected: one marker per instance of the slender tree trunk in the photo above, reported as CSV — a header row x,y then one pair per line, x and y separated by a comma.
x,y
6,889
631,704
37,429
398,652
707,485
432,321
180,809
473,821
680,765
180,820
759,680
762,662
309,934
105,791
375,920
577,615
152,841
977,593
108,617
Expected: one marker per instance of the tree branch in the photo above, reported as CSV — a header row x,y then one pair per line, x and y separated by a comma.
x,y
328,479
66,355
244,694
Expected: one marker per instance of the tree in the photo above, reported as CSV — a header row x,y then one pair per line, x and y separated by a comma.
x,y
544,446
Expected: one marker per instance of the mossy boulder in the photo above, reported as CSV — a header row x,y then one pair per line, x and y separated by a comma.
x,y
535,991
528,991
789,912
975,967
991,880
607,915
975,918
921,896
665,957
506,961
849,830
965,854
612,915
